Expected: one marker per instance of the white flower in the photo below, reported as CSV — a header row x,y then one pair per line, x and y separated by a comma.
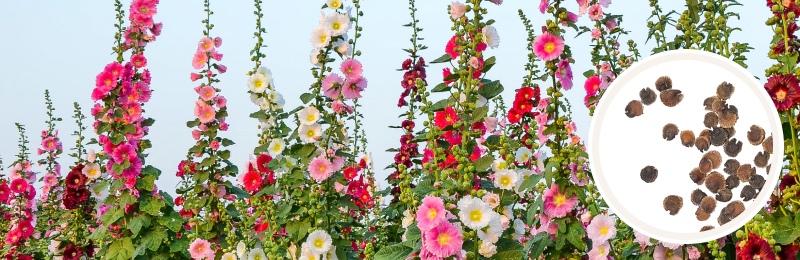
x,y
499,164
309,133
99,195
457,10
408,218
495,230
331,254
314,58
519,228
487,249
241,249
229,256
505,179
290,162
264,105
492,199
338,24
523,155
319,241
255,98
91,156
54,246
258,83
490,37
266,72
481,101
523,174
367,158
276,147
334,4
309,116
320,37
257,254
474,213
92,171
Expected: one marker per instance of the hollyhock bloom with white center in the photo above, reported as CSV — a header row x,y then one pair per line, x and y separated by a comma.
x,y
337,23
276,147
505,179
319,241
309,133
487,249
523,155
92,171
258,83
257,254
320,37
309,115
241,250
490,37
474,213
457,10
499,164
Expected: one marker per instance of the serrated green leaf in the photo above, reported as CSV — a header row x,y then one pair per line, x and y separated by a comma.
x,y
444,58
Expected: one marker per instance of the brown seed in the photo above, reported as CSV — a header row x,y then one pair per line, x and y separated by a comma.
x,y
768,166
732,182
728,117
706,228
663,83
748,193
710,120
733,147
697,176
702,143
709,102
715,181
730,131
757,181
731,165
634,109
718,106
717,136
761,160
669,132
725,90
697,196
730,212
671,97
756,135
701,215
745,171
649,174
733,109
673,204
724,195
767,145
705,133
705,165
709,204
714,157
687,138
648,96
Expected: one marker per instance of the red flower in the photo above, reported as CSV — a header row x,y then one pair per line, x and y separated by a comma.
x,y
784,91
252,181
445,73
452,47
523,106
514,116
409,80
592,85
350,173
25,228
72,252
407,64
19,186
445,118
788,251
408,125
75,178
262,162
186,213
179,201
755,248
526,93
5,192
787,181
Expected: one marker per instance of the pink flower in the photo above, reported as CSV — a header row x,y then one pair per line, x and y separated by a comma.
x,y
642,239
556,204
543,5
338,106
214,145
207,93
199,60
221,101
443,240
134,169
339,187
592,85
604,3
596,33
329,85
156,30
583,5
548,46
19,185
215,55
201,249
611,24
105,81
320,168
204,112
595,12
196,134
430,213
663,253
196,76
123,152
49,144
457,10
352,69
50,180
602,228
693,253
143,9
572,17
221,68
352,88
139,61
564,74
217,42
599,251
205,45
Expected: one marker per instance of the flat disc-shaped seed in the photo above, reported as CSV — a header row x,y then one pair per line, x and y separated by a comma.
x,y
669,132
702,143
709,103
717,136
715,181
732,182
710,120
671,97
745,171
714,157
767,145
705,165
701,215
649,174
708,204
730,131
648,96
730,212
705,133
663,83
731,165
698,196
733,147
673,204
697,176
756,135
728,117
748,193
725,90
719,105
761,160
634,109
724,195
687,138
706,228
757,181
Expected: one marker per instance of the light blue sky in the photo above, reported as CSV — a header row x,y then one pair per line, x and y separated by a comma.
x,y
62,45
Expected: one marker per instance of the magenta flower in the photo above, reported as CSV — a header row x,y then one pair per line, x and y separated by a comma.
x,y
556,204
595,12
205,45
582,6
134,169
199,60
352,69
611,24
430,213
221,68
139,61
123,152
19,185
564,74
352,88
195,76
592,85
50,180
543,5
105,81
49,144
143,9
207,93
443,240
217,42
548,46
320,168
329,85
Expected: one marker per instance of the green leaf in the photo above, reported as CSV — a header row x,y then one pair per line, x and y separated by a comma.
x,y
173,221
135,225
111,216
441,88
785,229
488,64
530,182
539,243
508,249
298,229
148,122
239,192
347,201
267,191
575,234
151,206
444,58
227,142
491,89
479,114
193,123
305,97
393,252
232,211
413,233
483,163
440,105
633,248
588,73
153,240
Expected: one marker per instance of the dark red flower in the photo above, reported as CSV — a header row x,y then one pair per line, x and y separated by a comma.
x,y
407,64
252,181
409,80
788,252
179,201
186,213
72,252
75,178
784,91
408,125
25,228
445,118
89,249
755,248
262,162
787,181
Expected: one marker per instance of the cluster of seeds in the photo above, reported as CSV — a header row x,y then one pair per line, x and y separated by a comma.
x,y
719,122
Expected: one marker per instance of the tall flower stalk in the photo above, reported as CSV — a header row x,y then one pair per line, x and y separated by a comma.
x,y
50,199
21,198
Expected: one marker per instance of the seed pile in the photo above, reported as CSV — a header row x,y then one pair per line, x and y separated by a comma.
x,y
722,191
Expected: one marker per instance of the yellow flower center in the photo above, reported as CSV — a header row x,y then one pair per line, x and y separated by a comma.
x,y
258,83
549,47
144,9
318,243
50,143
311,118
92,172
602,250
310,133
108,82
559,199
323,38
475,215
277,148
311,257
208,114
336,26
257,257
603,231
443,239
432,214
669,254
335,4
505,181
781,95
321,169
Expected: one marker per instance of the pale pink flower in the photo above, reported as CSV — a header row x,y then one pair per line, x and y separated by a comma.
x,y
352,88
673,246
596,33
599,251
220,101
642,239
604,3
196,134
338,106
556,204
215,55
351,68
693,253
201,249
474,62
602,228
214,145
548,46
664,253
443,240
457,10
199,60
583,5
204,112
205,45
320,168
430,213
196,76
207,93
329,85
595,12
339,187
50,180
